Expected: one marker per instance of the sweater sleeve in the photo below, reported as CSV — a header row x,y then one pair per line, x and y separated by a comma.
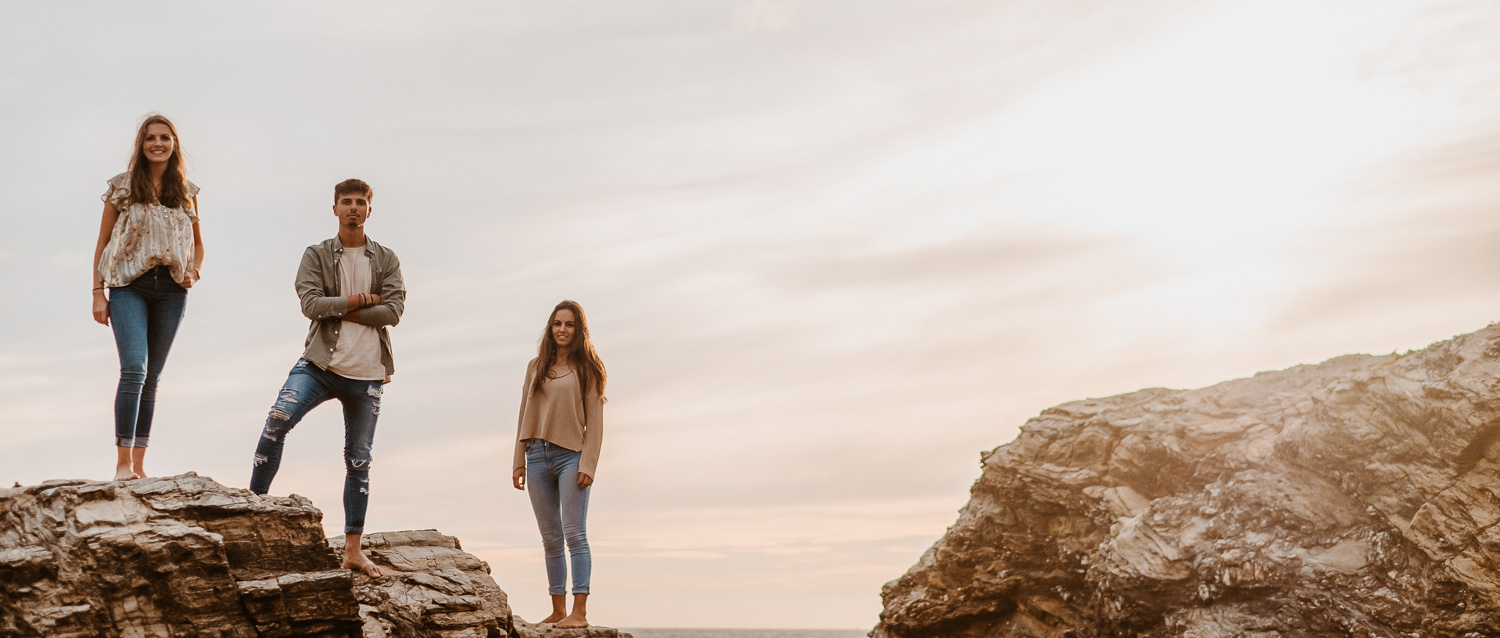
x,y
593,432
519,459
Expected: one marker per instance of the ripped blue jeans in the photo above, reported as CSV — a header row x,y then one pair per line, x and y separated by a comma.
x,y
305,388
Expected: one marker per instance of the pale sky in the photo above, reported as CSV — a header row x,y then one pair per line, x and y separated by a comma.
x,y
830,250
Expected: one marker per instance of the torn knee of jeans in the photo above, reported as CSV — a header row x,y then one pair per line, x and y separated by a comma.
x,y
279,414
357,464
288,395
375,409
259,459
273,434
375,390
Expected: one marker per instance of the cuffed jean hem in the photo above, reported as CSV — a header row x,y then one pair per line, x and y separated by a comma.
x,y
132,441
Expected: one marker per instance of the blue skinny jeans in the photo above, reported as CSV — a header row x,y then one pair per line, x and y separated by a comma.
x,y
306,387
562,510
144,314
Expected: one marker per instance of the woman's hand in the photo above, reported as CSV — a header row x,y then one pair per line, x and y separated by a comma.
x,y
101,307
190,277
518,478
584,480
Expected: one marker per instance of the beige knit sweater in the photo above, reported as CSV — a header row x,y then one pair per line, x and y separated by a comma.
x,y
561,414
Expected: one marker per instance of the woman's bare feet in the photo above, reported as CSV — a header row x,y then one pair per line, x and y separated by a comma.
x,y
138,461
579,618
123,464
559,609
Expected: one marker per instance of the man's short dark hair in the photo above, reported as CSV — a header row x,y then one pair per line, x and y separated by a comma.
x,y
352,185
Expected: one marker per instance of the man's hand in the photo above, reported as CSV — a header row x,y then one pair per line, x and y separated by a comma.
x,y
584,480
356,302
518,478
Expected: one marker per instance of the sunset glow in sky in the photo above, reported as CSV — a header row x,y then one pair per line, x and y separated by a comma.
x,y
830,251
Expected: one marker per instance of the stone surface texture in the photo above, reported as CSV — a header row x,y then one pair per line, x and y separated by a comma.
x,y
429,587
1357,497
184,556
178,556
528,630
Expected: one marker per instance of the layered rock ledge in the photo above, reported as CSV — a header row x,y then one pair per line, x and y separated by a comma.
x,y
186,556
1357,497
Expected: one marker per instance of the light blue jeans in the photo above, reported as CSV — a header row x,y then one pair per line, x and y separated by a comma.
x,y
562,510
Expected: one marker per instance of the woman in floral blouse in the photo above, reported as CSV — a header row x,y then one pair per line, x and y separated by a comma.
x,y
147,257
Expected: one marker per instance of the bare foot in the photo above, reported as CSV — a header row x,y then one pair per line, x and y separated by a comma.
x,y
140,472
556,616
125,474
573,621
358,561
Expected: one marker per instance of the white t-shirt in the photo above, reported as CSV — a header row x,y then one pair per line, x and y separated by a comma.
x,y
356,354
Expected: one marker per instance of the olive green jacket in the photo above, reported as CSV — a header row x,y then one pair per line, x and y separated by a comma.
x,y
326,305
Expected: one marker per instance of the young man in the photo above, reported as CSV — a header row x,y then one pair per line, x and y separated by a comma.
x,y
351,289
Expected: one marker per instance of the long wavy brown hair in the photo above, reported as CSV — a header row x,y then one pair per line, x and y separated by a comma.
x,y
581,353
173,192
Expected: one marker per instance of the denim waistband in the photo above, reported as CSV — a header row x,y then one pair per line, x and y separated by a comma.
x,y
156,276
547,445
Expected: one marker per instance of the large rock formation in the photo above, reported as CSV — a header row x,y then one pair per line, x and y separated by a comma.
x,y
179,556
185,556
1357,497
429,587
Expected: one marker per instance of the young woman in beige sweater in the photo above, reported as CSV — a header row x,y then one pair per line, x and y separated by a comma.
x,y
558,437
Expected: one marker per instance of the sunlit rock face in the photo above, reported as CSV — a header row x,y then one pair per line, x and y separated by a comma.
x,y
178,556
186,556
429,586
1357,497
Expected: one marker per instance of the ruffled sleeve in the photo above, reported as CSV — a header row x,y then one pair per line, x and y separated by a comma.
x,y
191,207
118,192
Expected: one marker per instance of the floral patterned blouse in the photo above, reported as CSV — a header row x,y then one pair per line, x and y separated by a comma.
x,y
146,236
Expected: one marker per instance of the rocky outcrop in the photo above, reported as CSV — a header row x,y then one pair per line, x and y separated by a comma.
x,y
186,556
528,630
179,556
429,587
1357,497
